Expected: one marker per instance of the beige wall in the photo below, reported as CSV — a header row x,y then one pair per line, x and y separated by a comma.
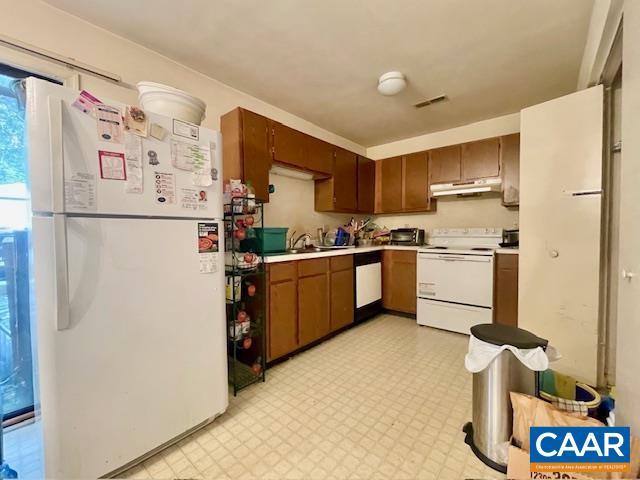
x,y
38,24
43,26
492,127
292,206
483,211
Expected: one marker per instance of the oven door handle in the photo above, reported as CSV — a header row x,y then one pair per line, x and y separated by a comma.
x,y
458,258
451,258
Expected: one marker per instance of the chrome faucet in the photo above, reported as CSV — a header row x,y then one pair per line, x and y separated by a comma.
x,y
293,243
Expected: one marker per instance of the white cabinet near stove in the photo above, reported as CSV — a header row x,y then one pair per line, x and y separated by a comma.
x,y
560,228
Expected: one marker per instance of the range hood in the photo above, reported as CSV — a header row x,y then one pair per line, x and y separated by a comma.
x,y
467,188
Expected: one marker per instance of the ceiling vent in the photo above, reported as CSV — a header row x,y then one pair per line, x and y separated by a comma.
x,y
431,101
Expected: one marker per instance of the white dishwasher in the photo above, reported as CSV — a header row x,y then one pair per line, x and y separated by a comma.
x,y
368,285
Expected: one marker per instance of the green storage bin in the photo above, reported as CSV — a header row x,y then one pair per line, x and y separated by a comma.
x,y
272,240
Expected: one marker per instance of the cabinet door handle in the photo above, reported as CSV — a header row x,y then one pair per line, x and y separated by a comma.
x,y
61,268
627,275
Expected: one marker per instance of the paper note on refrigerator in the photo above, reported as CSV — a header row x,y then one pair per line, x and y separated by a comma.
x,y
112,165
201,166
158,132
208,247
186,129
192,158
185,155
193,199
86,103
136,121
80,192
133,156
109,123
165,185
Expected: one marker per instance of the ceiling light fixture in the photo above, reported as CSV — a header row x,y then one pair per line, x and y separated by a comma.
x,y
391,83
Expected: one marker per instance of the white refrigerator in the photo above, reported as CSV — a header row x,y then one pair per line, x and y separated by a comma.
x,y
128,275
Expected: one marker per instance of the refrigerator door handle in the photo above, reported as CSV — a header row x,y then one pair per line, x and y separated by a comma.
x,y
61,268
56,154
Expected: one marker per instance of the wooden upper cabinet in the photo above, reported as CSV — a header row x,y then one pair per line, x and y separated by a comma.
x,y
416,181
481,159
366,185
510,153
257,154
246,149
445,165
289,146
319,155
390,182
345,179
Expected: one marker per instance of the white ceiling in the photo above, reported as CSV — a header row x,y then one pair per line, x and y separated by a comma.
x,y
320,59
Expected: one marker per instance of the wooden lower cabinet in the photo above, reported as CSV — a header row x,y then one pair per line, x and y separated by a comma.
x,y
283,318
399,280
505,290
308,299
342,293
313,308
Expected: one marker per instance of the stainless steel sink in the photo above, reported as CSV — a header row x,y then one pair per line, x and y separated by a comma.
x,y
305,250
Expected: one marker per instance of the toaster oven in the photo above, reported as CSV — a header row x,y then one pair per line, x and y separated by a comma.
x,y
407,236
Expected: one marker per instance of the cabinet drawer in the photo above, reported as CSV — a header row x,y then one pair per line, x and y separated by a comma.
x,y
507,260
404,256
314,266
282,271
342,262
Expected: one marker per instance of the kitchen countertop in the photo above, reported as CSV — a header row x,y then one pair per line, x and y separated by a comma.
x,y
512,251
289,257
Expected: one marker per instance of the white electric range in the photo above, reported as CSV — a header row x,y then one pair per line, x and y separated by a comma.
x,y
455,278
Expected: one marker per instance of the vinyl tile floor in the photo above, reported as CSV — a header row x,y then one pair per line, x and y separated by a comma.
x,y
386,400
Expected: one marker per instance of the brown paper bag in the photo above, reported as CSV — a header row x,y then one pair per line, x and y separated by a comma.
x,y
530,411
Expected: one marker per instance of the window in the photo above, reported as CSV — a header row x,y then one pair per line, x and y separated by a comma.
x,y
16,358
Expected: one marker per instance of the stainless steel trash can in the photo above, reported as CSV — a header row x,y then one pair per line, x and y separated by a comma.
x,y
492,417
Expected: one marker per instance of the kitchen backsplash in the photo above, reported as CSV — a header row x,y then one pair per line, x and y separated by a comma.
x,y
482,211
292,206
